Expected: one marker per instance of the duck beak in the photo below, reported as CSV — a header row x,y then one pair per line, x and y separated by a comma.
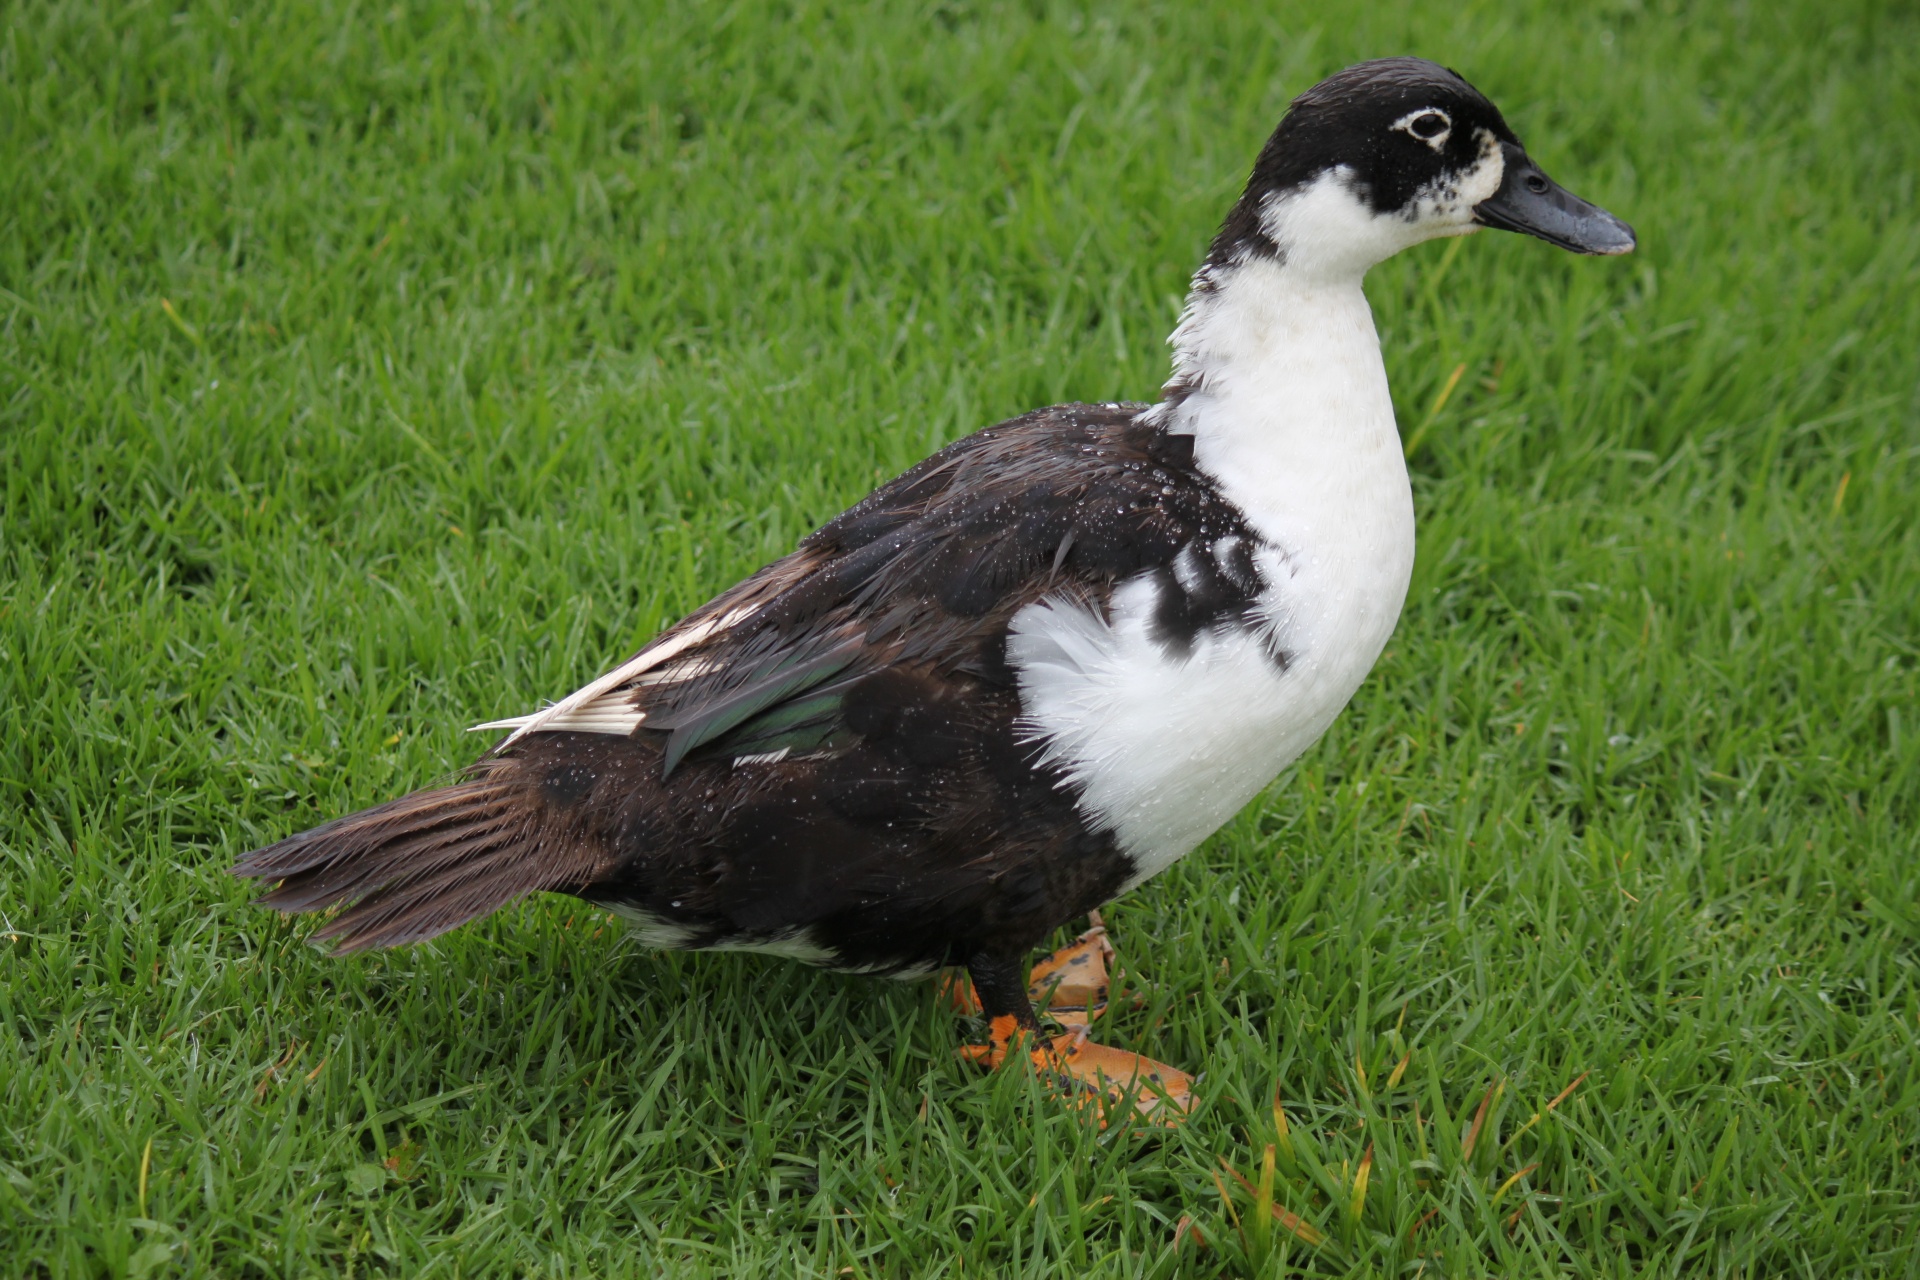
x,y
1529,201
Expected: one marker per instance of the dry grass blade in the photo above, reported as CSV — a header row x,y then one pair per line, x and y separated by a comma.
x,y
1508,1184
1358,1204
1291,1221
1472,1139
1439,405
1263,1207
1565,1093
1283,1133
273,1072
1547,1110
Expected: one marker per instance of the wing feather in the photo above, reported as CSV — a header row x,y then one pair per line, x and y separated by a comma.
x,y
708,719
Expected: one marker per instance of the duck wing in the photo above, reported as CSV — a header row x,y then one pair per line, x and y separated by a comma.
x,y
926,573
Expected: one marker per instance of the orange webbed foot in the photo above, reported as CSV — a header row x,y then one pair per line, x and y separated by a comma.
x,y
1105,1077
1072,986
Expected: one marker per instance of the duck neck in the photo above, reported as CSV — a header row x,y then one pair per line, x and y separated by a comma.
x,y
1277,377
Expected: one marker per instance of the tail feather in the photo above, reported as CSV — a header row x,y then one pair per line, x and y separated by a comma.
x,y
343,870
415,867
417,909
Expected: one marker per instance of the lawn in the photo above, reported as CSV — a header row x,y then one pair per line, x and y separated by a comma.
x,y
369,372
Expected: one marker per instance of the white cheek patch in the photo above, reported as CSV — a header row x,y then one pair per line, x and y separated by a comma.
x,y
1449,200
1325,228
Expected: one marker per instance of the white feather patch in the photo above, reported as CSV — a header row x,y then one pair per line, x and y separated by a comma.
x,y
1162,749
597,707
660,934
791,944
655,932
764,757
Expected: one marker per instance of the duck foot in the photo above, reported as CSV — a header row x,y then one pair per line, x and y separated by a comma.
x,y
1072,986
1083,1073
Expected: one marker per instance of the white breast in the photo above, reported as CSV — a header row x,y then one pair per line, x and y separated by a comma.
x,y
1293,421
1165,749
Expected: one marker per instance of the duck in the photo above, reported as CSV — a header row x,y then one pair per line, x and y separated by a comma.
x,y
1028,674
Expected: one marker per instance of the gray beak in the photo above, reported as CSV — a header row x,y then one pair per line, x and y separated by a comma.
x,y
1529,201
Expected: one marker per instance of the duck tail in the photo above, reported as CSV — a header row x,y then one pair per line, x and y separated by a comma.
x,y
415,867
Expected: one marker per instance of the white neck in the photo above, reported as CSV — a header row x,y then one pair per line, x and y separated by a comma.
x,y
1286,399
1276,356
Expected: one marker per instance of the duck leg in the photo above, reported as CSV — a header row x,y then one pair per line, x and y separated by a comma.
x,y
1072,985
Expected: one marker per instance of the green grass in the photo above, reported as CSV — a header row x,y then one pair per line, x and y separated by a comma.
x,y
365,373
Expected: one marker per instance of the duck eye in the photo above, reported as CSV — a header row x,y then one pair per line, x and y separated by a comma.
x,y
1427,125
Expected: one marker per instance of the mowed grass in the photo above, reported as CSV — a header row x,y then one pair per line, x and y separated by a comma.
x,y
368,372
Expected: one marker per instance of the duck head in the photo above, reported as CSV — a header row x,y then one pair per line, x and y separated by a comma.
x,y
1389,153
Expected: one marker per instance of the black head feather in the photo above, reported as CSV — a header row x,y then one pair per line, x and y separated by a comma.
x,y
1348,121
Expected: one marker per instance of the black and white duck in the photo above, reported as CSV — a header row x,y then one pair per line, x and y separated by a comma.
x,y
1028,674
